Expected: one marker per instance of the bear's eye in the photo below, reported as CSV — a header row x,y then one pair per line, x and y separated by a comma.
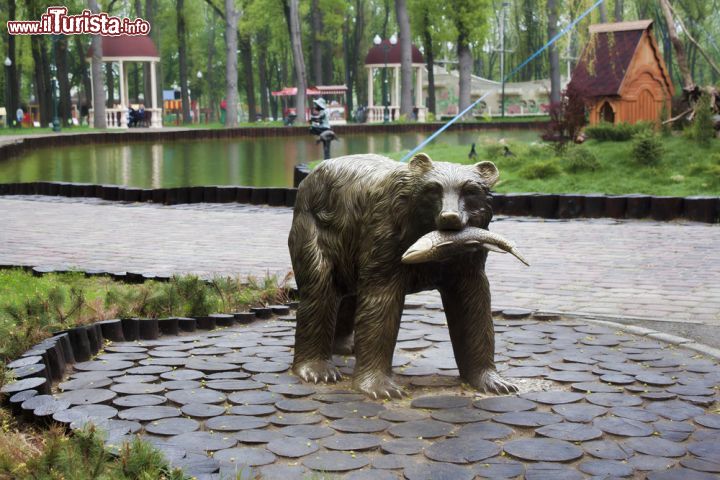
x,y
472,189
433,188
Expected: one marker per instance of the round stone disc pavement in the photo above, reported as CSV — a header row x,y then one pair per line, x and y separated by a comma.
x,y
235,423
623,427
201,395
24,384
259,436
711,420
172,426
149,413
485,431
438,471
402,415
543,450
202,410
528,419
103,365
137,388
608,450
582,412
360,425
254,410
421,429
460,415
656,446
462,450
335,462
87,396
203,441
312,432
285,419
571,432
403,446
351,410
351,442
554,398
504,404
440,401
613,400
249,456
254,397
139,401
293,447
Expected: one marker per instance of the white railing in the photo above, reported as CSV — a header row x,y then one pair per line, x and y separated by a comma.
x,y
376,114
118,117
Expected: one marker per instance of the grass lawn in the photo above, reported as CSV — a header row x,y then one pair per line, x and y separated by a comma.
x,y
31,308
685,168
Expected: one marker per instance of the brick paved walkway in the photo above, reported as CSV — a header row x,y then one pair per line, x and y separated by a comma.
x,y
665,271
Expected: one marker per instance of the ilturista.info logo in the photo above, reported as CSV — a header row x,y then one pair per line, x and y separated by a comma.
x,y
56,21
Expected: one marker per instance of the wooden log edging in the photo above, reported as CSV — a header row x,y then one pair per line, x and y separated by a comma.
x,y
704,209
32,142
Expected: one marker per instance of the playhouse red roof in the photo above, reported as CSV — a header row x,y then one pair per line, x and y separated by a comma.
x,y
376,55
128,46
607,57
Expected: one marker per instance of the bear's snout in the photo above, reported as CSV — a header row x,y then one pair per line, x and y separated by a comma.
x,y
450,220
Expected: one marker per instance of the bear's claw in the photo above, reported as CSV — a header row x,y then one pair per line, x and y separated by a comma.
x,y
318,371
379,387
491,382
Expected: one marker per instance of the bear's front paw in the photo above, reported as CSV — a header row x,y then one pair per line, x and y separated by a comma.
x,y
317,371
378,385
490,381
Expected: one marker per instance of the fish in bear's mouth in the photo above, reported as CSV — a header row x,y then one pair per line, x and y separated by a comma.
x,y
441,244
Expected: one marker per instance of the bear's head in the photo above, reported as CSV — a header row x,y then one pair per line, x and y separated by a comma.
x,y
450,196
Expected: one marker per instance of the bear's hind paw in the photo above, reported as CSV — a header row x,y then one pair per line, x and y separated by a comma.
x,y
491,382
318,371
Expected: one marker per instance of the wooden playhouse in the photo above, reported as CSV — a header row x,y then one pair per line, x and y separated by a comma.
x,y
622,73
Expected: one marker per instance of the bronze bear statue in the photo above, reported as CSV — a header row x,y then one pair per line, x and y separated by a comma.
x,y
354,217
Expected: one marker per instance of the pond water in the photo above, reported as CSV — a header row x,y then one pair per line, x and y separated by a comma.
x,y
241,161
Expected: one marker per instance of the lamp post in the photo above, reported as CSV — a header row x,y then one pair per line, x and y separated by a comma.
x,y
8,100
386,49
53,84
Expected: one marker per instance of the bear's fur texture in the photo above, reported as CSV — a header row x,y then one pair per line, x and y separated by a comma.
x,y
354,217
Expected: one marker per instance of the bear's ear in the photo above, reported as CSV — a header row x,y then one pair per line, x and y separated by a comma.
x,y
420,164
488,171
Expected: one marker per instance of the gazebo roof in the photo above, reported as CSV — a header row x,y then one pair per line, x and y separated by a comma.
x,y
128,47
376,55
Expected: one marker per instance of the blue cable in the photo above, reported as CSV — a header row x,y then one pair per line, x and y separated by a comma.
x,y
517,69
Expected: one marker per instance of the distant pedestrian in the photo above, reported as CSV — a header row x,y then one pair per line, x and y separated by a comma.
x,y
319,120
20,115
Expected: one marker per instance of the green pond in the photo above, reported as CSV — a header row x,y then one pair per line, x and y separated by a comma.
x,y
241,161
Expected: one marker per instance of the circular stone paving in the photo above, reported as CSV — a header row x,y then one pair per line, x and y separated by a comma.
x,y
592,402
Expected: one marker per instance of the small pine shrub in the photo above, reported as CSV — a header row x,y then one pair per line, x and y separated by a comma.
x,y
647,149
580,159
702,129
539,170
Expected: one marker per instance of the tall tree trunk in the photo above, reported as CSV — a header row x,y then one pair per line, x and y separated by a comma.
x,y
231,71
316,45
12,77
82,68
98,101
603,13
109,85
465,70
147,66
619,8
41,77
246,55
210,68
182,54
552,9
263,76
406,73
298,59
61,61
349,80
688,84
386,20
430,62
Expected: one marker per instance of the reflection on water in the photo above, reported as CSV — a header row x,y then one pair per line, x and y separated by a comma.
x,y
253,162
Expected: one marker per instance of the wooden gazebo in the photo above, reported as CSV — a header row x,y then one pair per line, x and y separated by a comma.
x,y
623,74
125,49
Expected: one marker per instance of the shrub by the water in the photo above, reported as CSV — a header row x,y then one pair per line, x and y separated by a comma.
x,y
621,132
540,169
580,159
647,149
